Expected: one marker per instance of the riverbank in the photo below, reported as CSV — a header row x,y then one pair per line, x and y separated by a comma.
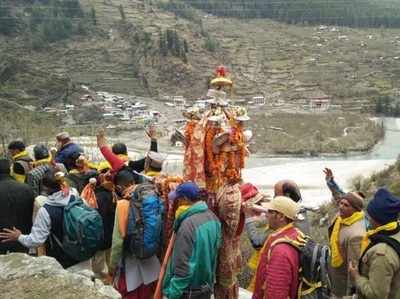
x,y
313,134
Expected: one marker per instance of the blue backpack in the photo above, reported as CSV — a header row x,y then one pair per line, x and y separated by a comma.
x,y
83,232
144,222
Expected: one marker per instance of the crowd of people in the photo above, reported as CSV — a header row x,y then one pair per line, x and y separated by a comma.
x,y
202,255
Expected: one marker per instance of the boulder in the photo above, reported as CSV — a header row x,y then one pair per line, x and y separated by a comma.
x,y
23,277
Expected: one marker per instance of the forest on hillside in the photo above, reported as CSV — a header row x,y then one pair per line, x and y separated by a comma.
x,y
44,21
354,13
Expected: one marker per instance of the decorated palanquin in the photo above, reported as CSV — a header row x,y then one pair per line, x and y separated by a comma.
x,y
215,151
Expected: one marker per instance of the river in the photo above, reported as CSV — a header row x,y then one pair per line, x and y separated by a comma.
x,y
307,172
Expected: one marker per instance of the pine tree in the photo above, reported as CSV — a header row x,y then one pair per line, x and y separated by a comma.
x,y
122,12
185,46
93,16
163,44
8,23
170,39
176,44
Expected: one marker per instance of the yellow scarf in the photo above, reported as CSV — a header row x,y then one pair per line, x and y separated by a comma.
x,y
337,259
387,227
19,155
181,209
18,177
152,173
255,257
42,161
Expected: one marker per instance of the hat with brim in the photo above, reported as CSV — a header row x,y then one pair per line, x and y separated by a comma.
x,y
283,205
259,197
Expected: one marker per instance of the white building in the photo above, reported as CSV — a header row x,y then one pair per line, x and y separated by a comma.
x,y
319,104
258,101
179,101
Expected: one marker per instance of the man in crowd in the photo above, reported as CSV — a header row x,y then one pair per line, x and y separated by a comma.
x,y
48,222
135,278
68,151
278,269
106,202
191,270
290,189
345,234
379,275
16,204
256,225
21,160
42,163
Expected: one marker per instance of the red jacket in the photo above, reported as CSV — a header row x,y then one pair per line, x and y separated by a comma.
x,y
278,270
115,162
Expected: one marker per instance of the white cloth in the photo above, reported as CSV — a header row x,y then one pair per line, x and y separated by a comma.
x,y
139,272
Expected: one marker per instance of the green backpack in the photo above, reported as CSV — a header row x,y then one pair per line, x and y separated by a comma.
x,y
83,232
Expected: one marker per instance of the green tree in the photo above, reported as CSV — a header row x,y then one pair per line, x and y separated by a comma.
x,y
93,16
8,23
210,44
170,39
162,44
122,12
185,46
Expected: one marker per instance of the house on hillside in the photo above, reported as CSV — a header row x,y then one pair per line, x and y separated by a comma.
x,y
179,101
319,104
258,101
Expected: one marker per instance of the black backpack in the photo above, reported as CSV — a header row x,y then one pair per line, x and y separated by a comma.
x,y
313,272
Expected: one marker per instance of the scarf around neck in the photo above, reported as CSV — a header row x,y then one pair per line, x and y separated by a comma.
x,y
337,259
366,239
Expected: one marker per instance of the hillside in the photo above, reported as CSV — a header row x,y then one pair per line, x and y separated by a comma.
x,y
353,66
140,48
357,13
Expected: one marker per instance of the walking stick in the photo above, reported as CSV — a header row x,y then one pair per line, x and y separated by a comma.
x,y
158,292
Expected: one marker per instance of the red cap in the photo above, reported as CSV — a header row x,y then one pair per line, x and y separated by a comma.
x,y
248,191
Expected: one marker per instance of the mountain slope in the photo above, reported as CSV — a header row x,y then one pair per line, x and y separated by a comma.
x,y
293,63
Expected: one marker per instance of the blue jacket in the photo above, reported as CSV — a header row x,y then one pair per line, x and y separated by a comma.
x,y
68,154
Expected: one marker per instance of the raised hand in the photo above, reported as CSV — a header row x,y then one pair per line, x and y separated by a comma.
x,y
328,174
151,132
101,138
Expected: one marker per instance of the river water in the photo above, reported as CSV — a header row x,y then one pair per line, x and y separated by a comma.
x,y
307,172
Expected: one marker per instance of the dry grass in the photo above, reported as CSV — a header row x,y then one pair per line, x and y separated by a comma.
x,y
314,133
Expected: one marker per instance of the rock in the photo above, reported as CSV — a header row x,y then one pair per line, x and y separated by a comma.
x,y
23,276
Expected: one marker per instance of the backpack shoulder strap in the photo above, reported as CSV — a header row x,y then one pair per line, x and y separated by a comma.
x,y
380,238
122,214
298,243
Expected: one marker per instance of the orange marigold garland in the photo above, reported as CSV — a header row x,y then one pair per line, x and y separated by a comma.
x,y
213,164
189,128
235,159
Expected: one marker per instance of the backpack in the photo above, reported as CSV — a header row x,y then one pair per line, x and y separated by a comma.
x,y
314,281
144,222
83,232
